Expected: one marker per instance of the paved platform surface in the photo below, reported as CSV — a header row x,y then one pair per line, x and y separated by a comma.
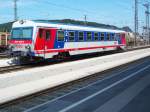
x,y
46,77
124,91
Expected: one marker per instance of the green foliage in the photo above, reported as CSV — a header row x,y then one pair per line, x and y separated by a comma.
x,y
6,27
127,29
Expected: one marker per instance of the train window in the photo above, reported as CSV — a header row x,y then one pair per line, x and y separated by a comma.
x,y
22,33
48,35
89,36
81,36
3,40
41,33
60,35
117,37
16,33
8,37
26,33
102,36
71,36
96,36
108,36
113,37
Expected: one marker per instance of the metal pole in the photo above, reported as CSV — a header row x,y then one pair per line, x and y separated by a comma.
x,y
147,21
148,24
85,20
15,10
136,22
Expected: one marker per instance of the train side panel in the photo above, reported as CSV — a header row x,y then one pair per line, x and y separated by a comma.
x,y
44,42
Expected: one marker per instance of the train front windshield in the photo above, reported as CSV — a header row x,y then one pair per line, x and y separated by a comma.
x,y
22,33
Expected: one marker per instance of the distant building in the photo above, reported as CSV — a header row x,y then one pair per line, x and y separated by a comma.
x,y
4,38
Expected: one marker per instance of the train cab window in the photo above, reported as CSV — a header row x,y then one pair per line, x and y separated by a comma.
x,y
71,36
60,35
48,35
22,33
89,36
27,33
16,33
81,36
96,36
108,36
102,36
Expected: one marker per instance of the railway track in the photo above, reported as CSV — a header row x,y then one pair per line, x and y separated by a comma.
x,y
136,48
4,55
51,62
10,68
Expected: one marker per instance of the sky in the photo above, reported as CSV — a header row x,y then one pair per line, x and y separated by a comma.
x,y
114,12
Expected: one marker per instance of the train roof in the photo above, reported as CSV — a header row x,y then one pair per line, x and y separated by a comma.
x,y
27,23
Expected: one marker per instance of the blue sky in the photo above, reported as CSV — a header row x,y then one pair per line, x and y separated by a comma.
x,y
115,12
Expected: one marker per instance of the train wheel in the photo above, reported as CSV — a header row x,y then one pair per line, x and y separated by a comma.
x,y
62,55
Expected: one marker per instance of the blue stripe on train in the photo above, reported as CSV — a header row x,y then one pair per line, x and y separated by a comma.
x,y
60,44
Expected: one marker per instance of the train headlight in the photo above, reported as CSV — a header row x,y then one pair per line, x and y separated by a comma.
x,y
12,47
28,47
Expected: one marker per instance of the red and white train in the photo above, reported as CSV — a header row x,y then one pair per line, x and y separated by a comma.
x,y
47,40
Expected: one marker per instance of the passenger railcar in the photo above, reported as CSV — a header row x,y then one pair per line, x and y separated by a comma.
x,y
4,41
47,40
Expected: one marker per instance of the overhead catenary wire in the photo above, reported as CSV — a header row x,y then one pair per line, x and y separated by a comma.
x,y
86,12
66,7
92,14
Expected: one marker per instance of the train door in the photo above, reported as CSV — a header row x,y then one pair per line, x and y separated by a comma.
x,y
123,39
45,41
60,39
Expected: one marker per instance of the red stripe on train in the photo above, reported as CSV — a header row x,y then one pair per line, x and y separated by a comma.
x,y
20,41
75,49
